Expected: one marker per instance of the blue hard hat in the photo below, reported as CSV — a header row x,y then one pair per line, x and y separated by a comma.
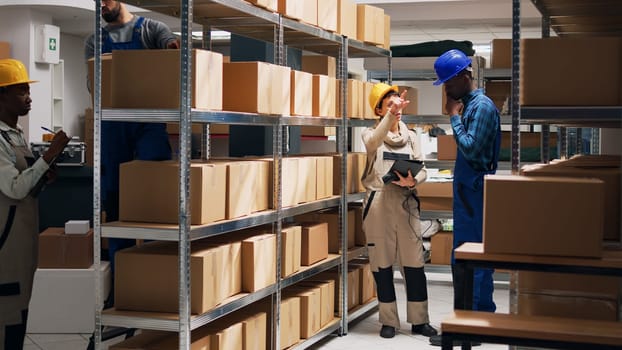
x,y
449,64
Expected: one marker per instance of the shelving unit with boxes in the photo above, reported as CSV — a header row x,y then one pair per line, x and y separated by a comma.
x,y
191,308
548,234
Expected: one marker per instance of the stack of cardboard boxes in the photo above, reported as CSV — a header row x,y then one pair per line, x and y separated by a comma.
x,y
567,209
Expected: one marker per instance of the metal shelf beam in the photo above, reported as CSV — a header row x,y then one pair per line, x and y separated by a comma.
x,y
306,272
170,321
596,116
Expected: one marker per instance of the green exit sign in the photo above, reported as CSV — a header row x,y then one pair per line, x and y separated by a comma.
x,y
52,44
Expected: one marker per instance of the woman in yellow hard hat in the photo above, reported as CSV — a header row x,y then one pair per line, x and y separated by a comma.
x,y
391,213
20,173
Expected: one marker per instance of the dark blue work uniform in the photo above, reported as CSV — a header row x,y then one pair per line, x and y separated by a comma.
x,y
125,141
468,190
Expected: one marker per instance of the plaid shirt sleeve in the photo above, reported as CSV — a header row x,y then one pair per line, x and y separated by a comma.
x,y
475,133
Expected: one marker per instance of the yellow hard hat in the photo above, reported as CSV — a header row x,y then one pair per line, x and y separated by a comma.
x,y
378,92
13,72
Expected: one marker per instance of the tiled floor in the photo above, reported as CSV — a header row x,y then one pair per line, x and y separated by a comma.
x,y
362,334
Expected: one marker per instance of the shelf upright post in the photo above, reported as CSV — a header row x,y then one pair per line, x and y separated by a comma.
x,y
515,112
277,156
99,297
390,64
595,141
545,151
579,141
206,43
184,173
515,86
342,142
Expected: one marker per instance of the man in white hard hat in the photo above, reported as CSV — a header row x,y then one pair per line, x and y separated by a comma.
x,y
20,174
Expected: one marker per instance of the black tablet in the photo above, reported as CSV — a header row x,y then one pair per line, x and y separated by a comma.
x,y
402,166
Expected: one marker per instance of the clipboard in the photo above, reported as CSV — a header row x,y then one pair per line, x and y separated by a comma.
x,y
402,166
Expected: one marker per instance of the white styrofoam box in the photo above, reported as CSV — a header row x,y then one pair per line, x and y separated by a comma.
x,y
77,227
47,44
63,300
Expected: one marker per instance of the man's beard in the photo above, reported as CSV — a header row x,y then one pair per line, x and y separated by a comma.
x,y
111,16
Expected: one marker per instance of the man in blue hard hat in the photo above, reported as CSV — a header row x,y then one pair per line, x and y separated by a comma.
x,y
476,127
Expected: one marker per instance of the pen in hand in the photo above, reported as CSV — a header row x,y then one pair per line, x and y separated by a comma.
x,y
48,130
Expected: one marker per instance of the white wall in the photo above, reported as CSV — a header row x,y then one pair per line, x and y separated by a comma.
x,y
17,26
77,97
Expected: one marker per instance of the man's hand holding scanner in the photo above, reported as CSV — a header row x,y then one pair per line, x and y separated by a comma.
x,y
405,181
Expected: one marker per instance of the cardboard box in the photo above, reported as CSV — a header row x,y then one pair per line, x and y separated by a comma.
x,y
353,286
501,53
200,339
361,164
564,284
307,185
138,288
281,90
143,340
231,261
148,90
327,298
301,89
323,96
149,192
254,332
253,80
412,95
5,49
545,62
610,176
386,42
359,234
346,18
258,262
62,299
567,306
106,80
230,338
310,308
368,112
436,195
306,130
324,177
527,140
367,286
263,186
327,15
447,148
272,5
355,94
303,10
290,250
499,92
353,178
77,227
241,178
320,65
370,24
59,250
441,247
289,322
543,216
314,244
332,218
289,181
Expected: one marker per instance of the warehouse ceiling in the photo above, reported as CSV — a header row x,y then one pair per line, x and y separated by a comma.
x,y
412,21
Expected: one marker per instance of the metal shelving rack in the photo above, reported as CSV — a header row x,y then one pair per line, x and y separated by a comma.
x,y
242,18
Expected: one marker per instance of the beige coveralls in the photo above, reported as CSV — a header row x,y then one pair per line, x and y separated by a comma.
x,y
19,228
391,224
